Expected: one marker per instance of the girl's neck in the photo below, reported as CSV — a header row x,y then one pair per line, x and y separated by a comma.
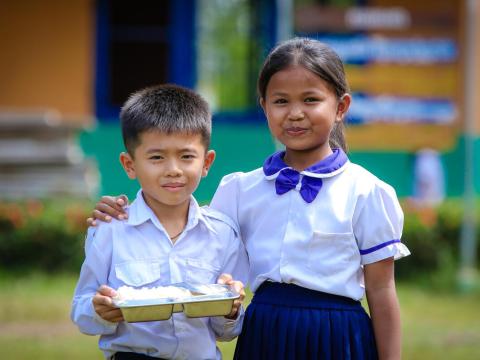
x,y
302,159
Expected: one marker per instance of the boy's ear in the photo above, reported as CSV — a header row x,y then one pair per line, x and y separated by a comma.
x,y
209,158
343,106
128,165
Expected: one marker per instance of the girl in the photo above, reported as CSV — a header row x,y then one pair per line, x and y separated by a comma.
x,y
319,230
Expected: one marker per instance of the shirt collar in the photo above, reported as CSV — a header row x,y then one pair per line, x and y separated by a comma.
x,y
139,212
330,166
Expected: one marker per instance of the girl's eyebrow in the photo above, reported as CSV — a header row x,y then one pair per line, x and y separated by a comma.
x,y
307,92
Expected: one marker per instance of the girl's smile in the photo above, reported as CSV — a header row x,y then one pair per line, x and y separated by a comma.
x,y
302,109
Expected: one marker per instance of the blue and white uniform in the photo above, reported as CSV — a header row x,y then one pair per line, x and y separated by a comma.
x,y
137,253
313,229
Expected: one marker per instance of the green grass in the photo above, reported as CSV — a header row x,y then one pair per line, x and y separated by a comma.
x,y
35,323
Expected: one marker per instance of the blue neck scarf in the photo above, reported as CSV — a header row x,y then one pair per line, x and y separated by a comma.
x,y
309,181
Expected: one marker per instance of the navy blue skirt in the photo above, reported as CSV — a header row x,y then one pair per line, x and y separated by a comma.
x,y
286,321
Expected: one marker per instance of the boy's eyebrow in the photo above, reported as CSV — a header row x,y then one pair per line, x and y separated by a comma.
x,y
155,150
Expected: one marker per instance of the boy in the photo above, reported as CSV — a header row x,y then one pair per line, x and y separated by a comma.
x,y
167,238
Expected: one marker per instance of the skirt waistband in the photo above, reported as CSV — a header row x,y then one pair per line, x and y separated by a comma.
x,y
274,293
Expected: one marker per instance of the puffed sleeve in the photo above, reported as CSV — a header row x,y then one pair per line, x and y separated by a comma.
x,y
378,224
225,198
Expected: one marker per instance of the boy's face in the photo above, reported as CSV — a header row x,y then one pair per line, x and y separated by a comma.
x,y
168,167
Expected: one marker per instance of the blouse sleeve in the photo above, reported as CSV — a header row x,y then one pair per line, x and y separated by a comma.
x,y
225,198
378,225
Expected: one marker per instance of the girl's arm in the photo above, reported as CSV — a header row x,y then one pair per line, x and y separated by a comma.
x,y
384,308
108,207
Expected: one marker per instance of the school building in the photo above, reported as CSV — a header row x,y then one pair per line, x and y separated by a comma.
x,y
67,66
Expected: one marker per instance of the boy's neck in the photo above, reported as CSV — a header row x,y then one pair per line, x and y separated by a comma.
x,y
173,218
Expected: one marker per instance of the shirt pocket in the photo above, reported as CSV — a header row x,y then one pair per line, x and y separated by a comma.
x,y
331,253
198,271
138,272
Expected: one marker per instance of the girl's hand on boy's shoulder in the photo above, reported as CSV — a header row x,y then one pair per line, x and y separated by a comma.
x,y
103,304
238,287
108,207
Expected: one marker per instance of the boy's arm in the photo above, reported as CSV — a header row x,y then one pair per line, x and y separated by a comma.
x,y
384,308
236,264
94,272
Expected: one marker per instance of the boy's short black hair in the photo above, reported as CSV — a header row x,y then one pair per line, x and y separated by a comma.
x,y
166,108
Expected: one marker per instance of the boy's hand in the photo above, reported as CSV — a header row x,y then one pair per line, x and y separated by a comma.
x,y
108,207
238,286
103,304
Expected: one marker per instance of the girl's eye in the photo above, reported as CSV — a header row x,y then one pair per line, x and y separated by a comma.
x,y
311,99
280,101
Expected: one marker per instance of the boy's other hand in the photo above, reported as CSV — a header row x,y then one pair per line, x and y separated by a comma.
x,y
238,286
103,304
108,207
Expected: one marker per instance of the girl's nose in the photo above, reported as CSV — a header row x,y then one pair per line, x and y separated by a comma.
x,y
296,113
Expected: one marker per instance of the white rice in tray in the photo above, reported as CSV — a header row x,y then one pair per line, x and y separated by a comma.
x,y
125,293
213,289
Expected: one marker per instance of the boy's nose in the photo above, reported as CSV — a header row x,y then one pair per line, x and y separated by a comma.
x,y
173,169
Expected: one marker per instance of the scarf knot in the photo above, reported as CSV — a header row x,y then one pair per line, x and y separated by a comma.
x,y
289,179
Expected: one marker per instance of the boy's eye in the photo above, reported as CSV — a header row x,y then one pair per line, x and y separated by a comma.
x,y
188,156
155,157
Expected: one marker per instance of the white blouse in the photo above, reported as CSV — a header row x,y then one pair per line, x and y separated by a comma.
x,y
322,245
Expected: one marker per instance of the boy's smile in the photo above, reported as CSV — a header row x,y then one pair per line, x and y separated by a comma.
x,y
168,167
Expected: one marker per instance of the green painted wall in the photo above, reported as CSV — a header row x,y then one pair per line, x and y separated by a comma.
x,y
104,143
243,147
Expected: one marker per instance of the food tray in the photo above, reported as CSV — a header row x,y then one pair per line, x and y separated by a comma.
x,y
197,305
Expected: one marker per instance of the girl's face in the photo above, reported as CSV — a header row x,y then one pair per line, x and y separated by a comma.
x,y
301,109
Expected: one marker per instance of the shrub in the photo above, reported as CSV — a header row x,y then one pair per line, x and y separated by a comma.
x,y
42,235
433,237
49,236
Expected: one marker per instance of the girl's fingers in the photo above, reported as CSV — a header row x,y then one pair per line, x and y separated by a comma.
x,y
116,202
109,200
107,209
100,215
111,209
91,222
122,200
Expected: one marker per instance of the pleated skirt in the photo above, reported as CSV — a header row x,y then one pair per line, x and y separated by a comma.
x,y
286,321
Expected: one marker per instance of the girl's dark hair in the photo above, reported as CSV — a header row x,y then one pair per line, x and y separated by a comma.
x,y
316,57
166,108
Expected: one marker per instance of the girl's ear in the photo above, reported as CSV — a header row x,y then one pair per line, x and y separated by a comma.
x,y
262,103
343,106
209,158
128,165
